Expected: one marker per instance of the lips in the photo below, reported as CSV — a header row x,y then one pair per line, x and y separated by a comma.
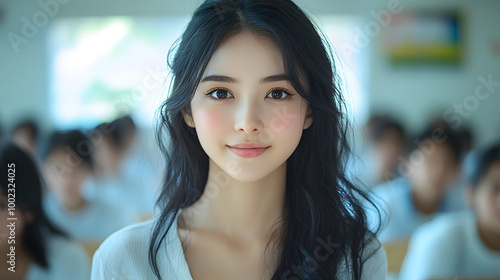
x,y
248,150
249,145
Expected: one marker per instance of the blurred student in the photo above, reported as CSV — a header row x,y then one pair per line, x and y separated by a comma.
x,y
456,192
409,201
378,161
124,176
466,243
68,166
38,249
25,135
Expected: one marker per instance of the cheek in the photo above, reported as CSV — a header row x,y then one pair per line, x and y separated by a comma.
x,y
211,122
286,121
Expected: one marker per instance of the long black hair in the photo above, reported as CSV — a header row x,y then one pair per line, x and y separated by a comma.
x,y
28,198
321,202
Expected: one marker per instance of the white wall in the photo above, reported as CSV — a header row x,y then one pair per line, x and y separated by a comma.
x,y
420,93
414,94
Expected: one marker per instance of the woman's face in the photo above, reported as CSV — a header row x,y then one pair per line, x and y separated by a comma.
x,y
242,106
486,198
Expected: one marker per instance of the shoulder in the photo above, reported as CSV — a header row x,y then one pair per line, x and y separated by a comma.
x,y
66,250
438,230
67,259
435,246
124,254
444,234
128,240
374,260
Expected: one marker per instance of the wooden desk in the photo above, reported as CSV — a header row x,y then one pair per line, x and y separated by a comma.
x,y
396,252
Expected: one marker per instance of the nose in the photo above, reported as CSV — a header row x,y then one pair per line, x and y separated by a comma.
x,y
248,118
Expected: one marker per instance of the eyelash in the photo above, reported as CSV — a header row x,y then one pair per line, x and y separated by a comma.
x,y
211,91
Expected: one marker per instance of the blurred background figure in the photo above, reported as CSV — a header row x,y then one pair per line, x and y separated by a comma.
x,y
26,135
466,243
124,173
118,137
68,166
379,159
432,167
42,251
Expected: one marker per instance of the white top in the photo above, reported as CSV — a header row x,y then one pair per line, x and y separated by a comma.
x,y
96,221
124,255
67,260
449,247
398,211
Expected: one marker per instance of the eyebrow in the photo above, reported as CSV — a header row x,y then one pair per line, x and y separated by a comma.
x,y
226,79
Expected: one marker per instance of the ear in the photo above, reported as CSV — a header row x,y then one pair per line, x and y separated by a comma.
x,y
308,119
186,114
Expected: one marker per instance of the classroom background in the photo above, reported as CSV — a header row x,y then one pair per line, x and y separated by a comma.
x,y
95,71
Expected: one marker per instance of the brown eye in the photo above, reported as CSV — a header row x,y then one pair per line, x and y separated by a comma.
x,y
220,94
278,94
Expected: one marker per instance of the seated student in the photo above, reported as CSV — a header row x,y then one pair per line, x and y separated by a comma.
x,y
124,174
25,135
379,160
433,165
35,249
68,166
466,243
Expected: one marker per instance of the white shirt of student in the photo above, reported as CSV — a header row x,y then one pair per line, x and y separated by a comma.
x,y
395,201
96,221
124,255
67,260
449,247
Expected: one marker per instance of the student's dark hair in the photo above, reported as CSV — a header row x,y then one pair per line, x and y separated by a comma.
x,y
467,137
28,198
74,141
439,135
31,126
380,126
321,202
487,158
117,131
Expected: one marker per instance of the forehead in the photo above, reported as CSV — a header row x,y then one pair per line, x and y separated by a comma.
x,y
247,57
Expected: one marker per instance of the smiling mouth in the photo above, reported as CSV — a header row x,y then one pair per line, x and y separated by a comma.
x,y
248,152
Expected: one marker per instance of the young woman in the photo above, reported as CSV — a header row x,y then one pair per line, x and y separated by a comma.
x,y
256,141
33,248
466,243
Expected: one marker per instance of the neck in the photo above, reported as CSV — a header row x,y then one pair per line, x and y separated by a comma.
x,y
425,202
490,238
239,209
